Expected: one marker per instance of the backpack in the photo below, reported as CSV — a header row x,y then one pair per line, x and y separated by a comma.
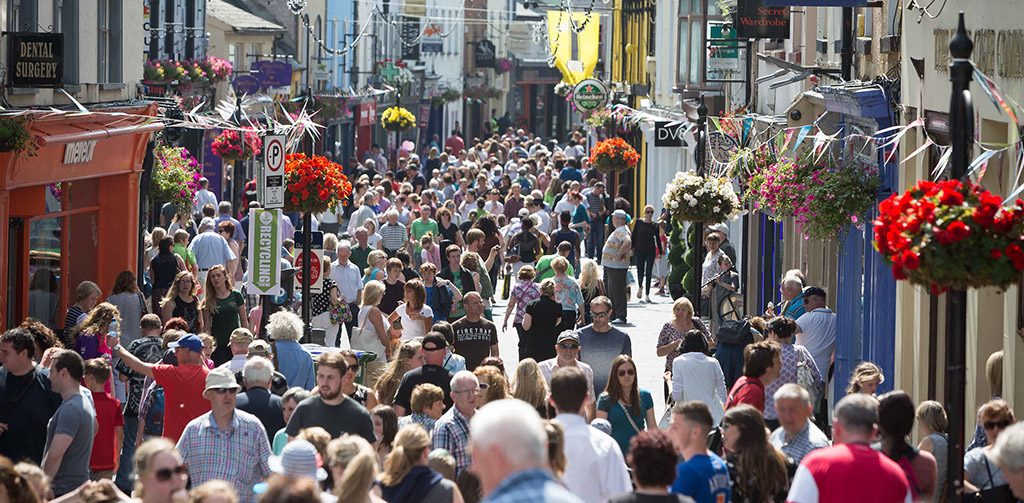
x,y
805,378
444,299
734,332
155,415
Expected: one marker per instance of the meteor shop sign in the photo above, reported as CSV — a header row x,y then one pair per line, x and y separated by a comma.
x,y
35,59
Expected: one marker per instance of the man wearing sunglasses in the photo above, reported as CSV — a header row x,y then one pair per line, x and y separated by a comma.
x,y
226,444
567,350
603,341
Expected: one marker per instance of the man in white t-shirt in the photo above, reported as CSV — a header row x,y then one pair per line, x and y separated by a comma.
x,y
817,328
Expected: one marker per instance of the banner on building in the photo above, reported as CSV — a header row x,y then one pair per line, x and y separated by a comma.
x,y
754,19
35,59
409,35
264,252
818,3
574,53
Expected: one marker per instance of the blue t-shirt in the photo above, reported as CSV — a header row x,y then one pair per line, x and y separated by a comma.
x,y
795,308
705,478
622,429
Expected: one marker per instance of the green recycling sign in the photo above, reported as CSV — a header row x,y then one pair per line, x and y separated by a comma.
x,y
589,95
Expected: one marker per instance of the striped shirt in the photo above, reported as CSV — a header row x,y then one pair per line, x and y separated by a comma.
x,y
393,236
239,455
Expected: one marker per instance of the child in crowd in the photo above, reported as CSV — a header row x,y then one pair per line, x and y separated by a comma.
x,y
106,449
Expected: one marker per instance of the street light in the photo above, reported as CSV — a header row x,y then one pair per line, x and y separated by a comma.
x,y
698,227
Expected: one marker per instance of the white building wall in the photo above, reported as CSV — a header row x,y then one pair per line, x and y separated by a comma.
x,y
448,64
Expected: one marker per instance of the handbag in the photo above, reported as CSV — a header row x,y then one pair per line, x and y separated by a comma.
x,y
340,314
998,494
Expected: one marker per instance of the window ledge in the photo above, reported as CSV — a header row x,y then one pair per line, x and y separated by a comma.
x,y
73,88
112,87
24,90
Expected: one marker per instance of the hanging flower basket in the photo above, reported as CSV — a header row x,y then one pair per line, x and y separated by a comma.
x,y
314,184
175,177
563,89
234,145
951,235
16,137
690,197
397,119
614,155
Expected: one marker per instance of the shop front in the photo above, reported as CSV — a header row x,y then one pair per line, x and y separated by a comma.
x,y
72,210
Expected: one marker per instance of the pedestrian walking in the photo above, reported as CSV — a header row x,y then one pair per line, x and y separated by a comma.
x,y
615,257
330,409
698,377
758,470
604,342
701,474
223,311
71,430
182,301
629,408
796,435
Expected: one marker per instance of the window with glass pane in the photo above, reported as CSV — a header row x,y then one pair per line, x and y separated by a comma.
x,y
44,274
696,52
684,55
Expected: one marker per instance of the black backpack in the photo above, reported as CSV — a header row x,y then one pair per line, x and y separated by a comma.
x,y
734,332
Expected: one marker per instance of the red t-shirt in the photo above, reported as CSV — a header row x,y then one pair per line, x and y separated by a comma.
x,y
108,415
838,474
748,390
183,395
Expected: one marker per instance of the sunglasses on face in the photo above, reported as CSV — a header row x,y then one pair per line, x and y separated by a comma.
x,y
223,391
569,346
599,314
165,474
626,372
992,425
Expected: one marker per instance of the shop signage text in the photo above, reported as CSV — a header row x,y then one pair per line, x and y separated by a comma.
x,y
35,59
272,180
265,252
316,267
756,20
79,152
484,54
590,95
819,3
669,134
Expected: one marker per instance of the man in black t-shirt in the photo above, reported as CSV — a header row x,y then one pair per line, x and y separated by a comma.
x,y
27,400
432,371
331,409
476,337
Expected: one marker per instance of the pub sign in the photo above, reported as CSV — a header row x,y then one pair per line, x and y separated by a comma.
x,y
35,59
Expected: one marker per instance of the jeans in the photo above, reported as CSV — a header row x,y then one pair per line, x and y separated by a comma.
x,y
615,283
644,270
595,241
123,479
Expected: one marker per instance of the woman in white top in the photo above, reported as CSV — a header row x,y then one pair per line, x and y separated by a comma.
x,y
372,333
372,239
697,376
417,317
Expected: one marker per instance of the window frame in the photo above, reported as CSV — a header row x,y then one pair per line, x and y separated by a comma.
x,y
696,15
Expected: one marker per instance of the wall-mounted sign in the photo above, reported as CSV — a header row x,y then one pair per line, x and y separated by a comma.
x,y
367,113
246,84
720,147
670,133
272,73
79,152
35,59
411,28
818,3
754,19
590,95
433,39
725,54
484,54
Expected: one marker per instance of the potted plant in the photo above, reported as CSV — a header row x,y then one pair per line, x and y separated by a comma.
x,y
690,197
614,155
235,145
314,184
951,234
16,137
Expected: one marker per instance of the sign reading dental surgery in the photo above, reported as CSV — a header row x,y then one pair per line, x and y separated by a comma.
x,y
35,59
754,19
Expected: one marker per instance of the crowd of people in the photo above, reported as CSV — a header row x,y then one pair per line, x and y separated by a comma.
x,y
186,390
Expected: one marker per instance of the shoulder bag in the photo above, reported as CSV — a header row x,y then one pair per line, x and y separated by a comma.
x,y
999,494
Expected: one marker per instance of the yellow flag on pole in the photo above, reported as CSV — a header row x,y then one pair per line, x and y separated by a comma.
x,y
574,54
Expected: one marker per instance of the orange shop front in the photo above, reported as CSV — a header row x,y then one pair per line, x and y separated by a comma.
x,y
72,211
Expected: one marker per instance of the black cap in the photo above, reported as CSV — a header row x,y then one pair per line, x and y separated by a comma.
x,y
434,341
815,290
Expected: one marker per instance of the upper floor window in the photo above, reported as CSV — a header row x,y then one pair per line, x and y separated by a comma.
x,y
108,54
693,25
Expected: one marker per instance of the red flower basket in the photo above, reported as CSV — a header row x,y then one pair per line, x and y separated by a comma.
x,y
951,235
314,184
614,155
232,145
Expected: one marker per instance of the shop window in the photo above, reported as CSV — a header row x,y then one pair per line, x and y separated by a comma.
x,y
54,197
108,56
44,269
65,20
693,18
82,194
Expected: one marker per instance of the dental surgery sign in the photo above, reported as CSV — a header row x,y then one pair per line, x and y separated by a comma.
x,y
35,59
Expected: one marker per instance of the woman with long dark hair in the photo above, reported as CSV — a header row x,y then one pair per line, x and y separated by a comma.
x,y
629,408
163,268
182,301
646,246
895,421
758,470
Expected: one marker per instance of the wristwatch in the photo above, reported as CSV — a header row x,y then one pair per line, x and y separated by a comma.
x,y
117,348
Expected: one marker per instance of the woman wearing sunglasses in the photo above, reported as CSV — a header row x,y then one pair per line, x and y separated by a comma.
x,y
981,474
629,408
161,473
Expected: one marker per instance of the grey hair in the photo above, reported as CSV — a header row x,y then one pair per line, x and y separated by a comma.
x,y
257,370
791,281
1008,452
857,412
792,391
463,376
515,428
224,207
296,394
368,198
346,245
285,325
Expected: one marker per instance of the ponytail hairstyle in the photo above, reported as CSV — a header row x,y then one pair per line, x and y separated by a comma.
x,y
358,460
406,450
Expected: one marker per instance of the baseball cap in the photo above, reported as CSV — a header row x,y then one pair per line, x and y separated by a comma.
x,y
240,335
523,212
620,213
221,378
568,335
815,290
259,347
299,458
433,342
191,342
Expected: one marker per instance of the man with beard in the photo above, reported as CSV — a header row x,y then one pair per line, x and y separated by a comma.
x,y
331,409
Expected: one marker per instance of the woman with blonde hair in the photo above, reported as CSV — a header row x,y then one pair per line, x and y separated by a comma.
x,y
528,385
353,465
408,479
182,301
161,475
214,491
865,379
90,337
371,333
556,447
591,286
672,333
410,356
568,294
376,261
493,385
223,311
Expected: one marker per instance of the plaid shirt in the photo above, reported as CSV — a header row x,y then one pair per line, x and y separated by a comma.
x,y
807,440
451,432
239,455
530,486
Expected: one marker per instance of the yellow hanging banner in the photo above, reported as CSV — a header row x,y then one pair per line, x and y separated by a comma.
x,y
574,54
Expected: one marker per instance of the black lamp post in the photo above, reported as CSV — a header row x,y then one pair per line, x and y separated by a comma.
x,y
307,245
698,239
961,125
